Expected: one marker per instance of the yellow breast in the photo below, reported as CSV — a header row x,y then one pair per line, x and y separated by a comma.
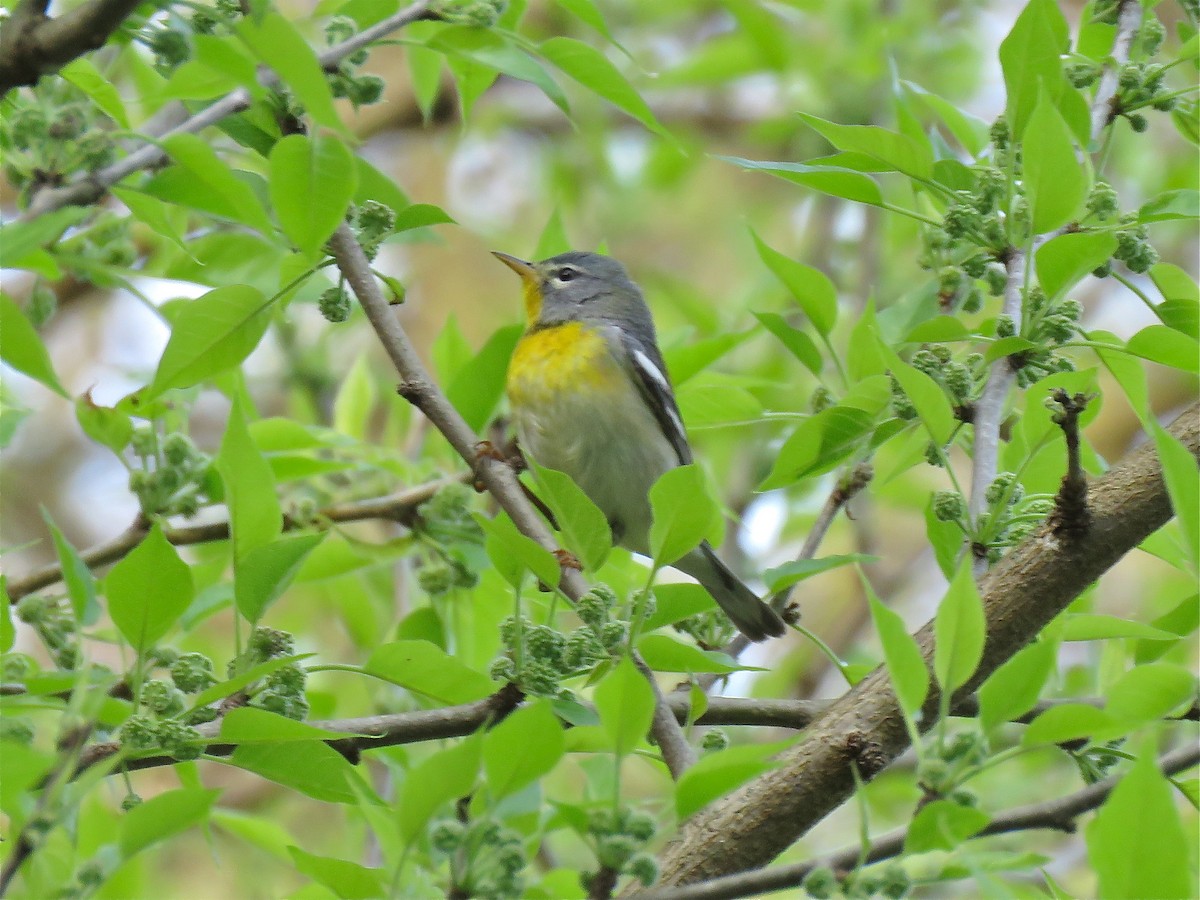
x,y
568,357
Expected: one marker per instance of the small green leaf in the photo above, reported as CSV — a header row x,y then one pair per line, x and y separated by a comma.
x,y
926,395
592,69
677,601
346,879
1183,203
478,385
251,675
203,181
436,781
959,629
22,347
163,817
1136,842
897,151
213,333
310,767
493,49
625,703
421,215
513,553
665,654
1013,689
838,182
1062,261
581,522
148,590
716,774
683,513
1056,181
427,669
1098,627
1068,722
1030,59
810,287
942,825
265,572
255,517
1149,692
275,40
799,344
906,667
312,182
791,573
1167,346
78,578
250,725
82,73
521,749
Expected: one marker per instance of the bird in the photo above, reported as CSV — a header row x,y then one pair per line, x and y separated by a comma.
x,y
590,397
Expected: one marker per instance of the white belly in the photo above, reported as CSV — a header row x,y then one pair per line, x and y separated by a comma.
x,y
614,451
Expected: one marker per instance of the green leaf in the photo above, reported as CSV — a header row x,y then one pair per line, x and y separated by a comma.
x,y
148,590
788,574
421,215
691,359
163,219
82,73
716,774
250,725
346,879
1064,260
1180,621
212,333
1068,722
427,669
521,749
354,400
897,151
1178,204
312,182
906,667
255,517
477,387
810,287
1029,59
373,184
838,182
926,395
163,817
799,344
310,767
1136,842
682,511
665,654
202,181
493,49
1167,346
581,522
592,69
436,781
513,553
942,825
275,40
1013,689
21,240
251,675
959,630
265,572
939,329
1097,627
1149,692
677,601
819,444
77,577
1056,181
22,347
625,703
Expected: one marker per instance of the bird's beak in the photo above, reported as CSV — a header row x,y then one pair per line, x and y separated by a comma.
x,y
525,269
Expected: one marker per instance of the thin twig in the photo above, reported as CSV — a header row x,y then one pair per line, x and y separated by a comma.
x,y
1058,815
399,506
677,753
33,45
89,188
1070,516
1104,103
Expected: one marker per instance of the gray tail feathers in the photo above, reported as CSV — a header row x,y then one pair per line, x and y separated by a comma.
x,y
753,618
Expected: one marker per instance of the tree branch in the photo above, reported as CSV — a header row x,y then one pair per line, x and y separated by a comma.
x,y
32,44
90,188
864,729
1059,815
1104,103
399,506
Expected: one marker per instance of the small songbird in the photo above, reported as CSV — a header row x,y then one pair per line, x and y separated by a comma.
x,y
590,397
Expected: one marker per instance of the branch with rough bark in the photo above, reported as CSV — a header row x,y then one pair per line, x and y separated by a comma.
x,y
864,729
1055,815
398,507
33,44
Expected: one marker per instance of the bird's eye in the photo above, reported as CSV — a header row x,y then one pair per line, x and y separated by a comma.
x,y
566,273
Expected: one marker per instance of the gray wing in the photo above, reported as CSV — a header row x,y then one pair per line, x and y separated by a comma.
x,y
650,375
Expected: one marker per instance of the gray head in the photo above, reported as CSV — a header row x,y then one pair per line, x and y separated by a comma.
x,y
579,286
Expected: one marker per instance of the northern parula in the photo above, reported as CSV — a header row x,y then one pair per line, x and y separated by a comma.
x,y
590,397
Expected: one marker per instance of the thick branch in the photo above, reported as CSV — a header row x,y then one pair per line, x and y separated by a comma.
x,y
33,45
864,729
399,507
89,188
1059,815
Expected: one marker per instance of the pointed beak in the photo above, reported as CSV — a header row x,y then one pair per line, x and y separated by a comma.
x,y
525,269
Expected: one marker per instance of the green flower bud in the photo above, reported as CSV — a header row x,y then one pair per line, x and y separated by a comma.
x,y
999,133
644,868
502,669
1005,326
614,850
973,301
714,739
976,266
334,304
949,506
1102,201
266,643
130,801
139,733
1138,122
640,825
446,835
613,635
822,398
821,883
996,277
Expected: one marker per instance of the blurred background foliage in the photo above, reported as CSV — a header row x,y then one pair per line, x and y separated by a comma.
x,y
725,79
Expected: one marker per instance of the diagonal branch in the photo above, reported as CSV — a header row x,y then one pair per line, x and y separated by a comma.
x,y
1058,815
864,729
400,506
32,44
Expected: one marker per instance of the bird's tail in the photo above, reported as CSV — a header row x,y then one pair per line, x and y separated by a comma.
x,y
753,618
